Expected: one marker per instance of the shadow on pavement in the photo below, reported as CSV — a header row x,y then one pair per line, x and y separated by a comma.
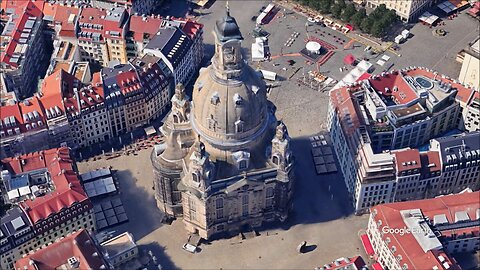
x,y
161,257
312,199
140,206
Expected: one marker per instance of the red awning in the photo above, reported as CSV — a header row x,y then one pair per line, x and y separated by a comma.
x,y
367,245
349,26
349,59
364,76
377,266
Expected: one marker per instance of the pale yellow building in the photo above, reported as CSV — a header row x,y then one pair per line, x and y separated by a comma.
x,y
470,72
407,10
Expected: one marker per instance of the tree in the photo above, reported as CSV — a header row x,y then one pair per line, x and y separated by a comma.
x,y
358,17
378,28
366,24
348,12
336,10
324,5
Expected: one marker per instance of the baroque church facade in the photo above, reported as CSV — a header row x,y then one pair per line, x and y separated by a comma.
x,y
226,162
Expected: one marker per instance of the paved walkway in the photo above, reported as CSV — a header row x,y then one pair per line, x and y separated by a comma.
x,y
308,12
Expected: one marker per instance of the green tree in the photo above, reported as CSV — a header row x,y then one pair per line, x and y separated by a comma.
x,y
366,24
348,12
358,17
336,10
378,29
325,5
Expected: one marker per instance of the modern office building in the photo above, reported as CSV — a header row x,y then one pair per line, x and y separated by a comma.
x,y
425,234
238,173
370,119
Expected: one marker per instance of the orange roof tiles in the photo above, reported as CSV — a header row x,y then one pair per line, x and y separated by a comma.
x,y
430,162
148,25
408,159
405,93
407,246
60,167
79,245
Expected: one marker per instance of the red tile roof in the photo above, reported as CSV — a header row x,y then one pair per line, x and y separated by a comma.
x,y
67,189
430,162
408,159
346,110
406,244
405,93
79,245
25,12
191,28
148,25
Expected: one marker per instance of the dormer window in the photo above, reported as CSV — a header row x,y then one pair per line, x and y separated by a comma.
x,y
239,126
215,99
241,159
237,99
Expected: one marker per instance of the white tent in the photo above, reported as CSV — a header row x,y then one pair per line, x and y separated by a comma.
x,y
428,18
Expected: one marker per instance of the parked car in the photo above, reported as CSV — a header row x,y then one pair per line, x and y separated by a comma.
x,y
190,248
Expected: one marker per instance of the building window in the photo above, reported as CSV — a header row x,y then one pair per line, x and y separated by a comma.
x,y
242,165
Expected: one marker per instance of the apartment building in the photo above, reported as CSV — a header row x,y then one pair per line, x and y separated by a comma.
x,y
22,48
75,251
135,93
470,58
424,234
93,113
22,128
370,119
407,10
142,7
181,50
49,193
141,30
115,26
55,88
90,39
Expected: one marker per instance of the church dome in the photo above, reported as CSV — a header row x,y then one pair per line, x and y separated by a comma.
x,y
229,108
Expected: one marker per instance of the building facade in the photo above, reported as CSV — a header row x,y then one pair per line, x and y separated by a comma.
x,y
75,251
401,109
50,197
407,10
238,173
424,234
23,50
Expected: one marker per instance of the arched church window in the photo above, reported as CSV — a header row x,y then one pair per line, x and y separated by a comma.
x,y
239,126
275,160
242,165
195,177
175,118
